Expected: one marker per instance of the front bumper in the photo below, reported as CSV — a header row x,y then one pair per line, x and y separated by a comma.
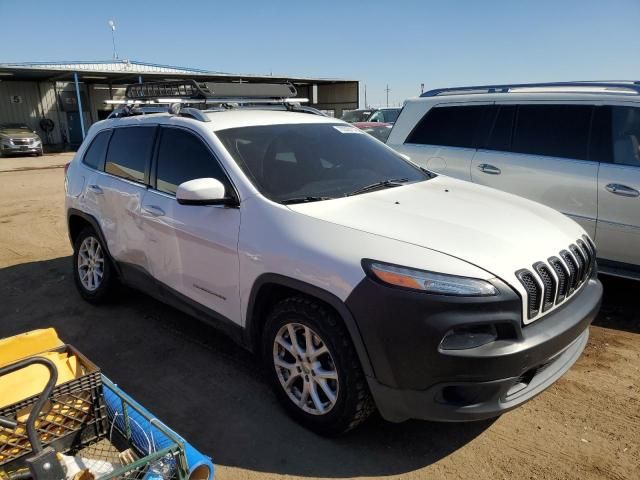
x,y
416,378
16,149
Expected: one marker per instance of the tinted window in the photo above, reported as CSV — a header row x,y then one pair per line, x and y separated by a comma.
x,y
453,126
390,116
356,116
553,130
625,129
600,148
129,151
94,156
289,162
502,129
183,157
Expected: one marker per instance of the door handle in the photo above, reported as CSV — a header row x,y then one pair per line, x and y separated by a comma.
x,y
153,210
623,190
95,189
486,168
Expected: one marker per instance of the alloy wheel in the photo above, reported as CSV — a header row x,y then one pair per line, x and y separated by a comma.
x,y
90,263
305,369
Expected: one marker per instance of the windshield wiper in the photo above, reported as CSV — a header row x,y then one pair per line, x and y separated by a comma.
x,y
429,173
307,199
391,182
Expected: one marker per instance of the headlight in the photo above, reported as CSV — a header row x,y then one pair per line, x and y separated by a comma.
x,y
429,281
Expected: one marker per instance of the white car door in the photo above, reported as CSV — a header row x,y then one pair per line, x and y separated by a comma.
x,y
119,192
618,231
192,249
446,138
540,152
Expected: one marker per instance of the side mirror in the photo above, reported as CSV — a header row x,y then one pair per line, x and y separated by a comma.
x,y
203,191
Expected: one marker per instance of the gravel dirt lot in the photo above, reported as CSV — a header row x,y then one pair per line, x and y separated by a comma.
x,y
586,426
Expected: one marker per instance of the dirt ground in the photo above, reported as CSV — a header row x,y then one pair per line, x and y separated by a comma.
x,y
586,426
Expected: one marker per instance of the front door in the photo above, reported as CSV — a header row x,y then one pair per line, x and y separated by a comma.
x,y
75,128
192,249
618,232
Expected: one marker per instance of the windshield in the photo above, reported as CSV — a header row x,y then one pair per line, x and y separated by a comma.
x,y
314,161
357,116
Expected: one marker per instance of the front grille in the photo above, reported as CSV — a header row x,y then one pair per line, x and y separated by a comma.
x,y
551,283
21,141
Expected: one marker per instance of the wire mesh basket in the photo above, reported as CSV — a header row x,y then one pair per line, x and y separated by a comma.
x,y
123,440
74,416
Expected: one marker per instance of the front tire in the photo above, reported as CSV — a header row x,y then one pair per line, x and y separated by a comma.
x,y
313,367
92,269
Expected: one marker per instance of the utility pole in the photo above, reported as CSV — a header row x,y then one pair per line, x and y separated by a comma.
x,y
365,95
112,24
387,90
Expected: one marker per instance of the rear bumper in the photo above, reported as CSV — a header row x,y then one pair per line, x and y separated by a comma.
x,y
416,378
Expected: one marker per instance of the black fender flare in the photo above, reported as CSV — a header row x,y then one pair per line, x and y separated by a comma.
x,y
91,220
252,321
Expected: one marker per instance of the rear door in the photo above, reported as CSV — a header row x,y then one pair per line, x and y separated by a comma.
x,y
540,152
193,249
120,190
446,138
618,231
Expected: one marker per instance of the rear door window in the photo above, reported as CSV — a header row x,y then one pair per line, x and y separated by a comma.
x,y
625,132
553,130
95,154
182,157
130,152
464,126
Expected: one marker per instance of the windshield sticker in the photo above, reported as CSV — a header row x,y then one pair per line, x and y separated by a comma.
x,y
347,129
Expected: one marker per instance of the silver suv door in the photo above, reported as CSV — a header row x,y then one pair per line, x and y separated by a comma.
x,y
618,231
446,138
540,152
193,249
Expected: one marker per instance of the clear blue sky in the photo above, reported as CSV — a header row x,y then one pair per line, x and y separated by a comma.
x,y
402,43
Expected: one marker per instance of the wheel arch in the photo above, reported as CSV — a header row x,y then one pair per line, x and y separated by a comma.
x,y
269,288
77,220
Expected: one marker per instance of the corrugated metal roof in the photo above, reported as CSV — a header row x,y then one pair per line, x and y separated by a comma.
x,y
136,67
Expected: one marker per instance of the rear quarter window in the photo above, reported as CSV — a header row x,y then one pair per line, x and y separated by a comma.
x,y
94,157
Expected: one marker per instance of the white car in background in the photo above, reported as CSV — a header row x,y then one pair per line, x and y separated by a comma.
x,y
574,146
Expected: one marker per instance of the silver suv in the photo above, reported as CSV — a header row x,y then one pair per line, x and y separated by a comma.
x,y
572,146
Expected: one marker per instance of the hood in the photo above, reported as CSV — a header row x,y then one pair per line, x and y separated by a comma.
x,y
17,133
496,231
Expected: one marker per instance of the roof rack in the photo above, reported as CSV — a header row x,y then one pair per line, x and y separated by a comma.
x,y
218,91
176,96
604,86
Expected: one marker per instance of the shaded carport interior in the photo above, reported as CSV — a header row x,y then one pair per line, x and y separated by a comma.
x,y
30,92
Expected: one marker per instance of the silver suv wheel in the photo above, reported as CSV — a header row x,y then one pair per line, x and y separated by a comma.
x,y
90,263
305,368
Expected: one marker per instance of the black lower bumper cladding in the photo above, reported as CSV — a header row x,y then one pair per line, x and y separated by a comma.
x,y
416,378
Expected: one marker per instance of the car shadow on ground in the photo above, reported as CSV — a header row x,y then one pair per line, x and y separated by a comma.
x,y
205,386
620,304
212,391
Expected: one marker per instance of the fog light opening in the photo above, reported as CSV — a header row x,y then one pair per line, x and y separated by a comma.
x,y
462,338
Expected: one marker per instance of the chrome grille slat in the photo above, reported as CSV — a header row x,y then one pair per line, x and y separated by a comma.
x,y
552,282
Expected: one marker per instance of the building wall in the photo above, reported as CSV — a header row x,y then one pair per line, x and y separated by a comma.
x,y
32,107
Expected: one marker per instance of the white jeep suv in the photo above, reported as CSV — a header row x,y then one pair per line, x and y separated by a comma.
x,y
574,146
362,280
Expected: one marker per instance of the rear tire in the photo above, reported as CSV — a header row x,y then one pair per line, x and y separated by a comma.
x,y
317,376
93,271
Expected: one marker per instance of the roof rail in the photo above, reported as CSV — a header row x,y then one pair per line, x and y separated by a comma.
x,y
219,91
610,86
